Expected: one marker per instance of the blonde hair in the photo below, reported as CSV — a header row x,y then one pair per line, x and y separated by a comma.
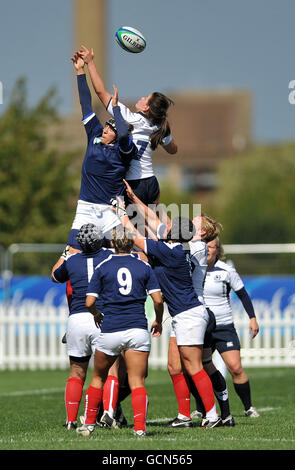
x,y
211,227
123,239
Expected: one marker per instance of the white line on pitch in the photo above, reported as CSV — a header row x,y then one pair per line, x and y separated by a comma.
x,y
42,391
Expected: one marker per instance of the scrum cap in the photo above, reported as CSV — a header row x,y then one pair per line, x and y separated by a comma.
x,y
90,238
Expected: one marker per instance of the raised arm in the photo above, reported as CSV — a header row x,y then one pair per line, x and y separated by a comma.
x,y
97,81
151,218
83,88
126,143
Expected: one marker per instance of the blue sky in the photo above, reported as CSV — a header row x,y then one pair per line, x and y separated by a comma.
x,y
191,45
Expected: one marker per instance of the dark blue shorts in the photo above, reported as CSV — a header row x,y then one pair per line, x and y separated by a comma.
x,y
146,189
225,338
210,328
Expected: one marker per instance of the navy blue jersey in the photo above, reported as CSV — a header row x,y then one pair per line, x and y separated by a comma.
x,y
172,268
123,282
104,167
78,269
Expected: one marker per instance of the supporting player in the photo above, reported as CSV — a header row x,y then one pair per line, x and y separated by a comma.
x,y
81,332
206,228
122,282
219,281
189,316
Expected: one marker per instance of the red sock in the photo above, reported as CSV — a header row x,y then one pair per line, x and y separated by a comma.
x,y
182,393
110,394
205,389
69,292
73,395
92,401
139,402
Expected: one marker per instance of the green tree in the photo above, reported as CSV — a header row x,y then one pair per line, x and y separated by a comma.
x,y
38,182
255,198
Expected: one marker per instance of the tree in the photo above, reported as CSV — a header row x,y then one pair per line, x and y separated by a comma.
x,y
255,198
38,182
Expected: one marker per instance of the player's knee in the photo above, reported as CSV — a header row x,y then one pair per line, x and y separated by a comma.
x,y
174,368
235,369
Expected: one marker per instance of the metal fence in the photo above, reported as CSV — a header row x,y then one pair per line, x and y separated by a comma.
x,y
30,334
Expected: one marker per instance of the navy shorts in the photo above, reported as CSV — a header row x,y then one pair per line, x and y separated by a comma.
x,y
146,189
210,328
225,338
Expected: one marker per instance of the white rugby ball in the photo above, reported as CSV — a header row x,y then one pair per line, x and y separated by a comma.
x,y
130,39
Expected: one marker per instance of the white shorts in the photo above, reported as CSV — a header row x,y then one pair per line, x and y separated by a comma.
x,y
189,327
113,344
100,215
82,334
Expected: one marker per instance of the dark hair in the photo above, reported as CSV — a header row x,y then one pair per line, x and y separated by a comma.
x,y
157,115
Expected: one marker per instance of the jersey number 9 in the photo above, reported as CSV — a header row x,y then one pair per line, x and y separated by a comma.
x,y
125,281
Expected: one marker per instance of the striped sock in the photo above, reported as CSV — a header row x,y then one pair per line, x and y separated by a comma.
x,y
92,400
110,394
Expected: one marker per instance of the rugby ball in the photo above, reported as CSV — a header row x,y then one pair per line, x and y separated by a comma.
x,y
130,39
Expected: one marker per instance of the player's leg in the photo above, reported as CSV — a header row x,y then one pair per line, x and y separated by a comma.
x,y
110,396
190,327
74,389
136,362
79,351
192,360
137,347
180,386
219,387
93,396
241,382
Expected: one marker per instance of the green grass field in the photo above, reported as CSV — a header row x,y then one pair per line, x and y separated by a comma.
x,y
33,412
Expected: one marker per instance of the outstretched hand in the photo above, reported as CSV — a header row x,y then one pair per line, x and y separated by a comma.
x,y
86,55
115,96
77,61
129,190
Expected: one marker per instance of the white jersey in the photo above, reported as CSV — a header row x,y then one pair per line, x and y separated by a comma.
x,y
218,283
143,167
198,256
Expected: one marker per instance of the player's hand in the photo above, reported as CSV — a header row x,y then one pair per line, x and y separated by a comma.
x,y
129,191
253,327
86,55
115,96
156,329
97,319
77,61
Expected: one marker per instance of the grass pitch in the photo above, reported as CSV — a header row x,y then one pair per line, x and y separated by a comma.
x,y
33,413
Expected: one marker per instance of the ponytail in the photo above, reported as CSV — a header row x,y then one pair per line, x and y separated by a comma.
x,y
157,115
